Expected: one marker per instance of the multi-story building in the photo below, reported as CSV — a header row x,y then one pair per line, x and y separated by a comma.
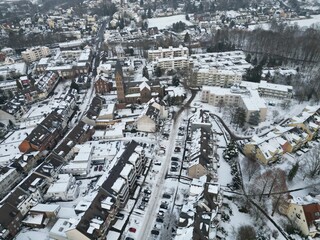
x,y
113,195
8,178
216,77
271,90
170,52
35,53
250,101
173,63
102,85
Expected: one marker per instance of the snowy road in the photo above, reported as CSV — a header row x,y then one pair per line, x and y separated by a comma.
x,y
156,196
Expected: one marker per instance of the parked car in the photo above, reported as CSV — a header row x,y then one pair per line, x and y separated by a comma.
x,y
164,206
174,159
159,220
147,191
166,195
155,232
132,229
145,199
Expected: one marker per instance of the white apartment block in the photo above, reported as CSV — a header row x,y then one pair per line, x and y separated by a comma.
x,y
271,90
173,63
170,52
250,101
35,53
215,77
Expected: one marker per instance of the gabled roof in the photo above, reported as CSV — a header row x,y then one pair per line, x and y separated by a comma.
x,y
116,170
311,212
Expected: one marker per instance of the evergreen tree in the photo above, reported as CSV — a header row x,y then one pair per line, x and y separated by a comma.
x,y
175,81
187,17
74,85
187,38
149,14
145,72
254,118
19,85
158,72
239,117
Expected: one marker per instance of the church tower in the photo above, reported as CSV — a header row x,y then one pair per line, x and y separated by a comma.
x,y
119,82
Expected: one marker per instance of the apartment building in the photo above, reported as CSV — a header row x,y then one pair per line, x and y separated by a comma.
x,y
216,77
170,52
270,90
250,101
35,53
173,63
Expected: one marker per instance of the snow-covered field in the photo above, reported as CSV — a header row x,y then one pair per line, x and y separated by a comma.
x,y
303,23
164,22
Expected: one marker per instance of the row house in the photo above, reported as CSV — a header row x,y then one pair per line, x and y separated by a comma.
x,y
112,196
308,120
200,215
290,137
45,135
9,177
81,133
201,156
94,110
10,221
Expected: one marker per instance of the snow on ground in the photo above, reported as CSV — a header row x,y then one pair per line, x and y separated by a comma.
x,y
26,234
164,22
303,23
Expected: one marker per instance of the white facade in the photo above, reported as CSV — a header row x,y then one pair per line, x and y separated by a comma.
x,y
35,53
8,179
146,124
215,77
170,52
64,188
250,101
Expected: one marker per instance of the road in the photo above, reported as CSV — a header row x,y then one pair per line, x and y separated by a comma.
x,y
156,196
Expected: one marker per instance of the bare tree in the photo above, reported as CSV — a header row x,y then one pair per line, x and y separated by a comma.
x,y
312,163
246,232
251,166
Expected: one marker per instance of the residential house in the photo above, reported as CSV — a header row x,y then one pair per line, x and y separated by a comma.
x,y
148,121
200,157
304,213
10,221
113,195
9,177
45,135
102,85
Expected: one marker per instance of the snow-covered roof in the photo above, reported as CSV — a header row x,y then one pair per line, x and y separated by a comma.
x,y
45,208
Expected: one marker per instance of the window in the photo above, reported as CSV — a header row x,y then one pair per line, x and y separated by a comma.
x,y
60,229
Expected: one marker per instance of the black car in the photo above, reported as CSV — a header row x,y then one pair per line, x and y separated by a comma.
x,y
166,195
159,220
155,232
164,206
173,169
174,159
174,164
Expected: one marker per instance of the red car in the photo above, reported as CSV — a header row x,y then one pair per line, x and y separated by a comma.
x,y
133,230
